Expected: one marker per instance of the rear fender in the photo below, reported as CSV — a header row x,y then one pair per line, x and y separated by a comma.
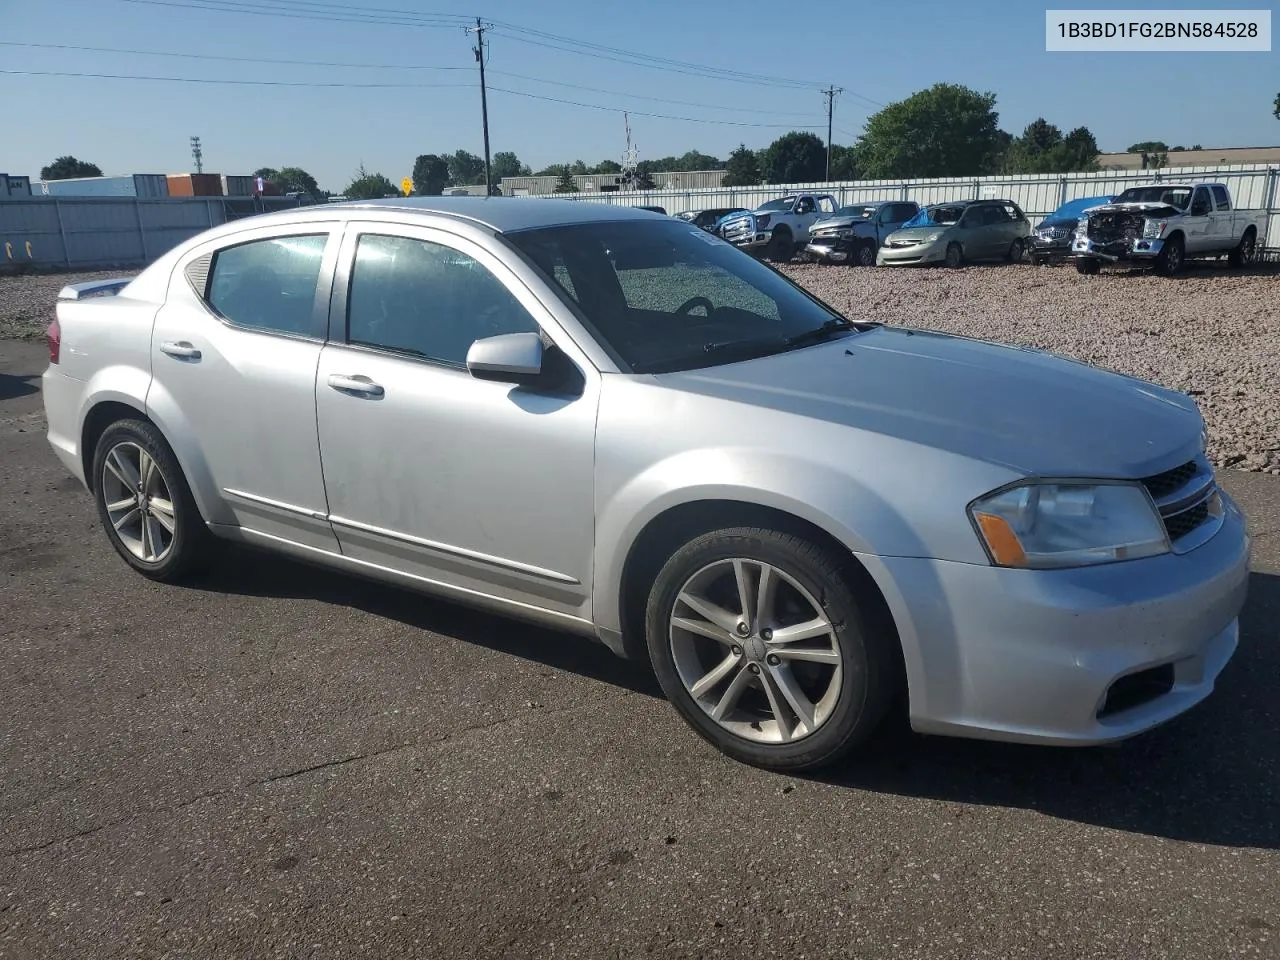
x,y
165,412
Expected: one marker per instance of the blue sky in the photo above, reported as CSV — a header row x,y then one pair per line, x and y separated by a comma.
x,y
878,52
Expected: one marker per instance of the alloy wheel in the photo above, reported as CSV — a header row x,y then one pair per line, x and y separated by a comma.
x,y
756,651
138,502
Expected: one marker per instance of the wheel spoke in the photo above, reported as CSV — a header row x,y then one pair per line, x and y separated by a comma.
x,y
163,517
123,470
732,694
808,653
715,675
122,505
704,628
775,704
154,536
791,692
766,593
718,615
817,627
126,518
743,579
147,548
146,470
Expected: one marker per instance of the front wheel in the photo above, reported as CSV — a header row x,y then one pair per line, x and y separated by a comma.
x,y
762,645
1087,265
145,504
955,256
1015,251
1171,257
867,254
780,248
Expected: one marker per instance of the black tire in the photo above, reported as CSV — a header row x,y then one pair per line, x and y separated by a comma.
x,y
868,677
1087,265
1016,250
865,256
1037,261
192,546
1243,253
780,248
954,256
1172,256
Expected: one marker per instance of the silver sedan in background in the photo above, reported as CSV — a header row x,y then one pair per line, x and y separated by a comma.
x,y
617,424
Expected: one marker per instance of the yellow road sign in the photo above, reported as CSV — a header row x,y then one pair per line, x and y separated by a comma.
x,y
407,185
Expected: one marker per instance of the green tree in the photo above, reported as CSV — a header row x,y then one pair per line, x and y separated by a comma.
x,y
296,180
554,170
465,168
566,182
947,130
430,175
795,157
844,165
269,174
578,168
741,170
64,168
370,186
644,177
1155,153
607,166
1043,149
1276,112
507,164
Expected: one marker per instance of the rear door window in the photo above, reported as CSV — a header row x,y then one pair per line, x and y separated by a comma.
x,y
268,285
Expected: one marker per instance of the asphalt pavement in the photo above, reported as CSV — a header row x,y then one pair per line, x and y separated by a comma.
x,y
282,762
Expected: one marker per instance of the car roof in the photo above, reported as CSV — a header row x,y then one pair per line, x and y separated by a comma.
x,y
502,214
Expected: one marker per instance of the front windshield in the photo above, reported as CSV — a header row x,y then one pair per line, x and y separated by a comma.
x,y
932,216
1179,197
663,296
856,213
783,204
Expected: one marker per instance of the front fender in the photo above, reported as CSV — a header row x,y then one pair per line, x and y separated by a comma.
x,y
810,490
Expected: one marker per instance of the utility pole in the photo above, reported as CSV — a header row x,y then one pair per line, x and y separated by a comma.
x,y
478,50
830,94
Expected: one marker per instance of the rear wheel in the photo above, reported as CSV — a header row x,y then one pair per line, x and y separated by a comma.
x,y
1087,265
781,248
761,644
1172,255
955,255
1015,251
145,504
1245,250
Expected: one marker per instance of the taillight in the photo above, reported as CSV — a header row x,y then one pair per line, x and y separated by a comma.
x,y
54,336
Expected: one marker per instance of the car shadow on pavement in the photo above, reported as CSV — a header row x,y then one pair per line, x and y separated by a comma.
x,y
249,572
1211,776
18,385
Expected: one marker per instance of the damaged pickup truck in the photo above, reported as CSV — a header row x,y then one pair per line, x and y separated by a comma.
x,y
1164,224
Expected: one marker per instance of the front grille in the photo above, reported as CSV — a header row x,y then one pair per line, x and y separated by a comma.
x,y
903,243
1185,505
1163,484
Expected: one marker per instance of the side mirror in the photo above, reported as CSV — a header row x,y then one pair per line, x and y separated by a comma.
x,y
507,358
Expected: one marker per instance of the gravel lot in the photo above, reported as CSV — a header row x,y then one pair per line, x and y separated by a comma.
x,y
1212,333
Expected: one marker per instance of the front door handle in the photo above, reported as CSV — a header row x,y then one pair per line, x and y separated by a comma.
x,y
180,348
355,384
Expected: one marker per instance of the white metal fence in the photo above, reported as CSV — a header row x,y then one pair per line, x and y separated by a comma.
x,y
1252,186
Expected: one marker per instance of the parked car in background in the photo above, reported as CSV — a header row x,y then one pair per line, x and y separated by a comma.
x,y
1164,224
1050,241
777,230
653,209
707,219
958,232
604,421
854,233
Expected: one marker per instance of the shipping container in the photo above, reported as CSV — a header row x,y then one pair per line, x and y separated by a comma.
x,y
234,186
195,185
148,186
14,186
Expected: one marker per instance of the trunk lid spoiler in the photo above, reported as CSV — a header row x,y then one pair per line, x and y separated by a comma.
x,y
94,288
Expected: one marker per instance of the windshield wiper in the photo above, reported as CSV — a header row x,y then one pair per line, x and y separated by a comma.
x,y
818,334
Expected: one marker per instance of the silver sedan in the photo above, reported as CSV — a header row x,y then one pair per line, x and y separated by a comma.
x,y
615,423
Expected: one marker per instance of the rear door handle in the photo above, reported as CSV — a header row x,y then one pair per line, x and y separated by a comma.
x,y
356,384
180,348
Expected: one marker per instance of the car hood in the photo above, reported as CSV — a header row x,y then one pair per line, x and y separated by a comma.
x,y
840,222
919,233
1027,410
1153,209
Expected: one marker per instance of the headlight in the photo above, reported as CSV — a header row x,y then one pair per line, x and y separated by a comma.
x,y
844,232
1153,228
1051,525
762,221
933,236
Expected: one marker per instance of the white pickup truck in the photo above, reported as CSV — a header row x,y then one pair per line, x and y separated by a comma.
x,y
1165,224
780,228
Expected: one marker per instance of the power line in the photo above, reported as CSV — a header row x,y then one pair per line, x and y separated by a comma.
x,y
657,116
231,6
212,56
251,83
478,50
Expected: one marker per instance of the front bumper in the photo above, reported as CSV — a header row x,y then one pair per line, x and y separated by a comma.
x,y
1049,249
1139,249
829,249
1032,656
920,253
